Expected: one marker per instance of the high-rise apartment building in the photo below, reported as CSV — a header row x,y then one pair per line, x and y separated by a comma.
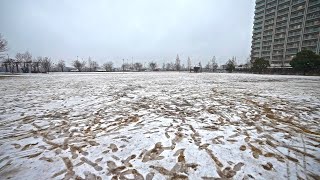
x,y
284,27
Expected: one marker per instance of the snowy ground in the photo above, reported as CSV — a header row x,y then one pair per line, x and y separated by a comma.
x,y
159,126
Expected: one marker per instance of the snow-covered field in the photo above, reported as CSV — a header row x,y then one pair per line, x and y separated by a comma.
x,y
159,126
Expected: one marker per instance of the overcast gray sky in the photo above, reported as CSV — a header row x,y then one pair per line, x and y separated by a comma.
x,y
142,30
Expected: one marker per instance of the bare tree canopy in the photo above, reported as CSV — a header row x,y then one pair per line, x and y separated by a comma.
x,y
61,65
108,66
137,66
19,57
3,44
153,65
79,65
178,66
93,65
125,66
46,64
189,63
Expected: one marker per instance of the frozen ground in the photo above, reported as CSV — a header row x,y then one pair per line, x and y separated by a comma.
x,y
159,126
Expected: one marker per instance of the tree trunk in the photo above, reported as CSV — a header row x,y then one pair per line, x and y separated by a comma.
x,y
17,67
6,66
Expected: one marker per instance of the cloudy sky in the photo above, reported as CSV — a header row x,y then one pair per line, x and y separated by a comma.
x,y
142,30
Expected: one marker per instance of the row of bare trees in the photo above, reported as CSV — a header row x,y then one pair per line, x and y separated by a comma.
x,y
23,62
91,65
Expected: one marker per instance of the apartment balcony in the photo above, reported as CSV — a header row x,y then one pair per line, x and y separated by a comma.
x,y
256,34
258,15
267,33
260,4
295,2
311,48
293,40
278,48
296,15
257,30
281,19
265,44
297,8
265,50
258,20
268,27
314,9
313,16
257,11
313,23
269,22
312,3
256,41
283,30
296,21
309,43
292,51
267,39
278,42
295,27
269,17
311,37
283,1
279,37
277,53
312,30
282,13
294,33
257,26
270,12
283,7
271,4
267,54
295,45
281,24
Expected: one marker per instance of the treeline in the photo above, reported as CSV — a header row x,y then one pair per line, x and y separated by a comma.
x,y
26,63
305,62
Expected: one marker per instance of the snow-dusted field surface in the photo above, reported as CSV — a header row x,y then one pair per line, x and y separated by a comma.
x,y
159,126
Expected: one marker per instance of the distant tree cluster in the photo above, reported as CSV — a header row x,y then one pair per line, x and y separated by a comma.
x,y
306,62
231,65
259,65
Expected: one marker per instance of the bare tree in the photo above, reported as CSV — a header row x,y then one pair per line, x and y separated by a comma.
x,y
27,60
125,66
137,66
3,45
93,65
189,63
3,48
6,64
79,65
178,66
46,64
108,66
163,66
19,59
214,63
170,66
37,63
153,65
61,65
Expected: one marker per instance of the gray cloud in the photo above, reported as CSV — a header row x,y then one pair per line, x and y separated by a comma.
x,y
124,29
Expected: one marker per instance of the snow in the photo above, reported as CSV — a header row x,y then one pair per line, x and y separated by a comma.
x,y
161,125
